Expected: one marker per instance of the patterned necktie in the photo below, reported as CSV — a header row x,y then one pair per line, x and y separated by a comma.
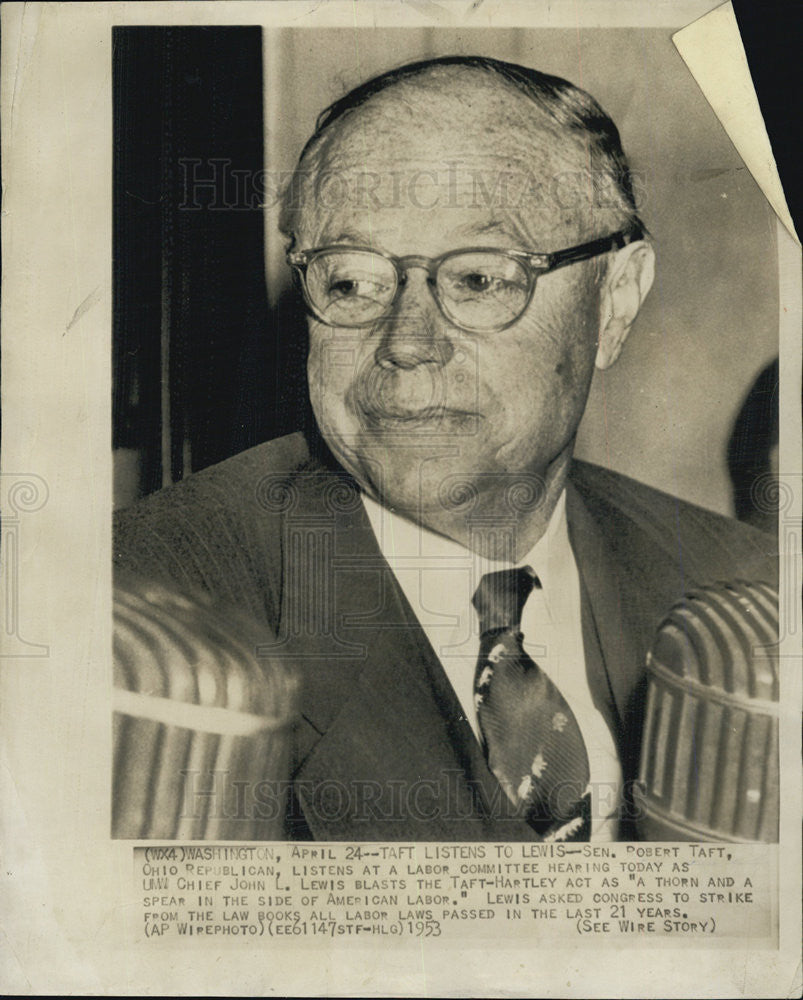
x,y
533,743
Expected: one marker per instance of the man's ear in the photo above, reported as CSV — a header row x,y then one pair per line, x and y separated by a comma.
x,y
624,288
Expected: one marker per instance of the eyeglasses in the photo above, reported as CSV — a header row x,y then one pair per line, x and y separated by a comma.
x,y
480,289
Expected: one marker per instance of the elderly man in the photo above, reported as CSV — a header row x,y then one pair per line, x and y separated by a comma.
x,y
467,607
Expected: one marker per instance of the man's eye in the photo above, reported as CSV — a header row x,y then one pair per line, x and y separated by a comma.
x,y
483,283
345,286
477,282
349,288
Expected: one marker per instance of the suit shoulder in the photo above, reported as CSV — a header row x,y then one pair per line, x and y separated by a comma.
x,y
235,482
708,545
217,529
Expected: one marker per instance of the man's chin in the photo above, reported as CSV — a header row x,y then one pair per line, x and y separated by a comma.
x,y
427,490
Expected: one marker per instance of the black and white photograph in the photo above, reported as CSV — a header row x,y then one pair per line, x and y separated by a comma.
x,y
479,625
418,494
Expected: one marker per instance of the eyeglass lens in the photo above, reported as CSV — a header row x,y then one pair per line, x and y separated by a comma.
x,y
477,290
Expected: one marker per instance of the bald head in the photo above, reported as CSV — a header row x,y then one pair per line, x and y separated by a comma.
x,y
466,129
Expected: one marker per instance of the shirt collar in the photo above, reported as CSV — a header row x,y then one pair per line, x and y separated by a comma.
x,y
406,544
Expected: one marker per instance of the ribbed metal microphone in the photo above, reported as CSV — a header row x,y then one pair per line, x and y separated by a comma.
x,y
201,725
709,758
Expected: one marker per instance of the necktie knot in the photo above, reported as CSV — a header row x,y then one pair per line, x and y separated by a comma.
x,y
501,596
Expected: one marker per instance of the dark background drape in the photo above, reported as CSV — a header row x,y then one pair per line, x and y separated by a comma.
x,y
203,368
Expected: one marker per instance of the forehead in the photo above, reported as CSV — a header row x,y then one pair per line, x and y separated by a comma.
x,y
441,156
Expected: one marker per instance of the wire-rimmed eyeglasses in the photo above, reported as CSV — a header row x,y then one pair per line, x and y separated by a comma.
x,y
479,289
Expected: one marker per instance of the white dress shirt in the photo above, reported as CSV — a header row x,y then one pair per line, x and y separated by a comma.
x,y
439,577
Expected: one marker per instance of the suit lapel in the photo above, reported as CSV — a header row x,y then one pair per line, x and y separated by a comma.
x,y
610,640
385,767
620,615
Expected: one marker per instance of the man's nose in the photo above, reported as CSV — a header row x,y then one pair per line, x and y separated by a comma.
x,y
415,332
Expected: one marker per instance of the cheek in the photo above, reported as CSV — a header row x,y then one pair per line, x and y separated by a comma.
x,y
330,368
564,333
538,368
317,385
537,379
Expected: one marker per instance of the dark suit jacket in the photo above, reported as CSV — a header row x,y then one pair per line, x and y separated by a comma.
x,y
383,750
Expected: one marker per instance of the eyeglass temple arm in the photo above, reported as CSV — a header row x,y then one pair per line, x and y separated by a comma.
x,y
585,251
560,258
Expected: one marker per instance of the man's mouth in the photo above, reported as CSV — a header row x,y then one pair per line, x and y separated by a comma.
x,y
401,417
